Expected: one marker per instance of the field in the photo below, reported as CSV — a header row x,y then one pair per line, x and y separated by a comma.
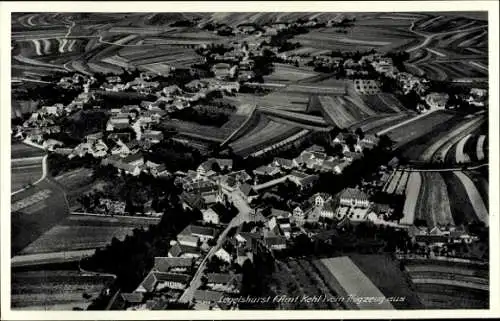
x,y
288,73
352,281
414,128
19,150
470,149
433,204
263,133
438,149
386,275
24,172
342,112
280,100
449,285
445,198
54,289
372,33
412,192
374,275
299,277
84,232
28,223
457,48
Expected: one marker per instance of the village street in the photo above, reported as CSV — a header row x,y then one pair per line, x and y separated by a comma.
x,y
245,214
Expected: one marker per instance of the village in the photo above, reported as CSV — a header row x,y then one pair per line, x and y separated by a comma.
x,y
244,209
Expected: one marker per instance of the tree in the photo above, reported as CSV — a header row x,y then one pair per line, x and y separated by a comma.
x,y
359,132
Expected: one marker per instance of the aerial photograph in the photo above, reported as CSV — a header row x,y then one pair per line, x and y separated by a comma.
x,y
249,161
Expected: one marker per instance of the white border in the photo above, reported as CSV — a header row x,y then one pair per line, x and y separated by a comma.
x,y
309,6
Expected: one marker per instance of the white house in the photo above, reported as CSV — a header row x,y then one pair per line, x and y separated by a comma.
x,y
223,255
210,216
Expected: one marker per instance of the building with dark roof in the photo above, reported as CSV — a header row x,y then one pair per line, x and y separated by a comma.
x,y
173,264
354,197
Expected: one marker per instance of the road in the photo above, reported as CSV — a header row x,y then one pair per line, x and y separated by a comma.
x,y
386,130
244,215
449,169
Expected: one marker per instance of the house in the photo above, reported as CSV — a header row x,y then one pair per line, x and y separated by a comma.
x,y
188,240
184,251
224,282
284,163
133,298
213,165
223,255
203,233
298,215
93,138
247,192
173,264
354,197
99,149
275,242
224,70
246,28
63,151
437,100
131,164
154,136
155,281
232,180
267,170
210,216
208,297
170,91
303,180
52,110
50,144
192,200
113,207
117,123
113,79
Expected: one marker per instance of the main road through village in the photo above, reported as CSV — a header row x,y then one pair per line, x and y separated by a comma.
x,y
245,214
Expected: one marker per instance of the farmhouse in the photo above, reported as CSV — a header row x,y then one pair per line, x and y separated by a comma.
x,y
437,100
52,110
157,281
284,163
233,180
117,123
192,200
210,216
203,233
303,180
299,215
50,144
184,251
353,197
247,192
267,170
210,298
213,165
223,255
225,282
173,264
224,70
133,298
275,242
213,197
